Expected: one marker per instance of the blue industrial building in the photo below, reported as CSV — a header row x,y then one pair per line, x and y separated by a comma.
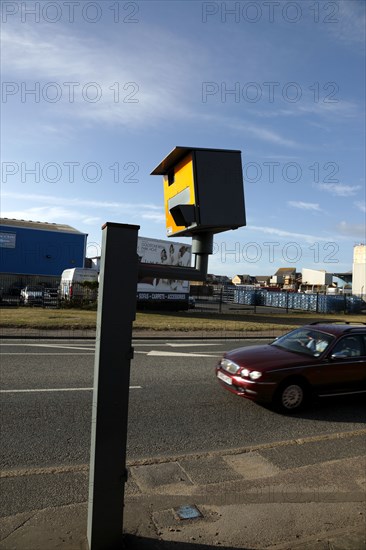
x,y
38,251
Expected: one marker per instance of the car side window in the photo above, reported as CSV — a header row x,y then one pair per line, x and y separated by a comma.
x,y
349,346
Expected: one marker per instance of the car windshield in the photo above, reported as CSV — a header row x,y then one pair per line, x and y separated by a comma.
x,y
306,341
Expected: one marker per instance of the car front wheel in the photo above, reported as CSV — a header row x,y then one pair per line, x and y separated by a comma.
x,y
291,397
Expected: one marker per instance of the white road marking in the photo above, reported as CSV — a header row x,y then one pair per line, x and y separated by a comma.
x,y
57,346
49,343
190,345
46,354
58,389
179,354
62,346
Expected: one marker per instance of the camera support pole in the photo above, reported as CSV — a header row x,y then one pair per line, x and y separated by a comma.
x,y
113,354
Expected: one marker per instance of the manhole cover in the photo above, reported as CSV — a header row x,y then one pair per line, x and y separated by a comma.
x,y
188,512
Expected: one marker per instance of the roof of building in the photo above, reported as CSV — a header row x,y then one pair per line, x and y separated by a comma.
x,y
286,270
317,270
43,226
244,277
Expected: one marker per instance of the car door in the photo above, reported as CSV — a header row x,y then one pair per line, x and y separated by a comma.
x,y
344,367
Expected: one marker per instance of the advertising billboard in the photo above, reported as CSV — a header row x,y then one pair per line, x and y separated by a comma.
x,y
155,289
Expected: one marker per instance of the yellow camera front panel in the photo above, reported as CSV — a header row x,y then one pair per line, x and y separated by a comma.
x,y
178,189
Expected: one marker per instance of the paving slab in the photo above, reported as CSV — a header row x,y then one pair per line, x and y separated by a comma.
x,y
167,477
316,506
252,465
210,470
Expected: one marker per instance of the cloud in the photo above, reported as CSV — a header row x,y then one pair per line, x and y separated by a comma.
x,y
338,189
42,213
76,210
305,205
349,26
108,81
270,136
329,108
352,230
155,217
292,235
53,215
92,221
51,199
360,205
332,108
264,134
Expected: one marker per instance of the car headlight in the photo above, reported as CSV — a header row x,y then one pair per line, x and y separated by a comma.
x,y
245,373
253,375
229,366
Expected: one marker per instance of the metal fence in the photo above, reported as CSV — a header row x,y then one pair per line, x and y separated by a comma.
x,y
46,292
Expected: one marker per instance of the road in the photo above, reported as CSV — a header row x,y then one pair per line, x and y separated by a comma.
x,y
176,408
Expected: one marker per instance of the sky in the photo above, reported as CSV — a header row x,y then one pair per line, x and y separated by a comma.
x,y
96,94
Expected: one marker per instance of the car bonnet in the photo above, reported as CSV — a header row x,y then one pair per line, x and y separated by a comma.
x,y
267,357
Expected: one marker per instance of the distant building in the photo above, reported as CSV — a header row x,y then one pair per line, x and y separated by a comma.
x,y
359,270
217,279
263,280
284,275
316,279
38,251
243,280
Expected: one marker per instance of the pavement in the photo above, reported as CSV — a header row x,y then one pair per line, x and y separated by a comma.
x,y
304,494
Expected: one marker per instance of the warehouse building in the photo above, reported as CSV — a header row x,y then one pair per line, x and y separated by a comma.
x,y
37,252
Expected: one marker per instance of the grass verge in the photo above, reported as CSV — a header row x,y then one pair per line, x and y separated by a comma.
x,y
188,321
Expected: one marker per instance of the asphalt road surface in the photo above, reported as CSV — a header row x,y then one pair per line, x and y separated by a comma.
x,y
176,407
176,404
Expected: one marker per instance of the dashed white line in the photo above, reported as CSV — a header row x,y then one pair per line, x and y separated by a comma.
x,y
57,390
190,345
62,346
56,346
179,354
47,354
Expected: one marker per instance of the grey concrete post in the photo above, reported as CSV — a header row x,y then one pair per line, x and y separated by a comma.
x,y
113,353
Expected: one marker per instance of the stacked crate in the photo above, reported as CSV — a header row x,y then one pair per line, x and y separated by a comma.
x,y
320,303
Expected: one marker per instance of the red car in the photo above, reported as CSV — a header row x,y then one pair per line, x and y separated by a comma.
x,y
319,359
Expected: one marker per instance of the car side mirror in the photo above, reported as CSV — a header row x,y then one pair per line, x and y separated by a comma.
x,y
339,355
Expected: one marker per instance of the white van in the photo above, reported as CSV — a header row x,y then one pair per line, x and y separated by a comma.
x,y
73,283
